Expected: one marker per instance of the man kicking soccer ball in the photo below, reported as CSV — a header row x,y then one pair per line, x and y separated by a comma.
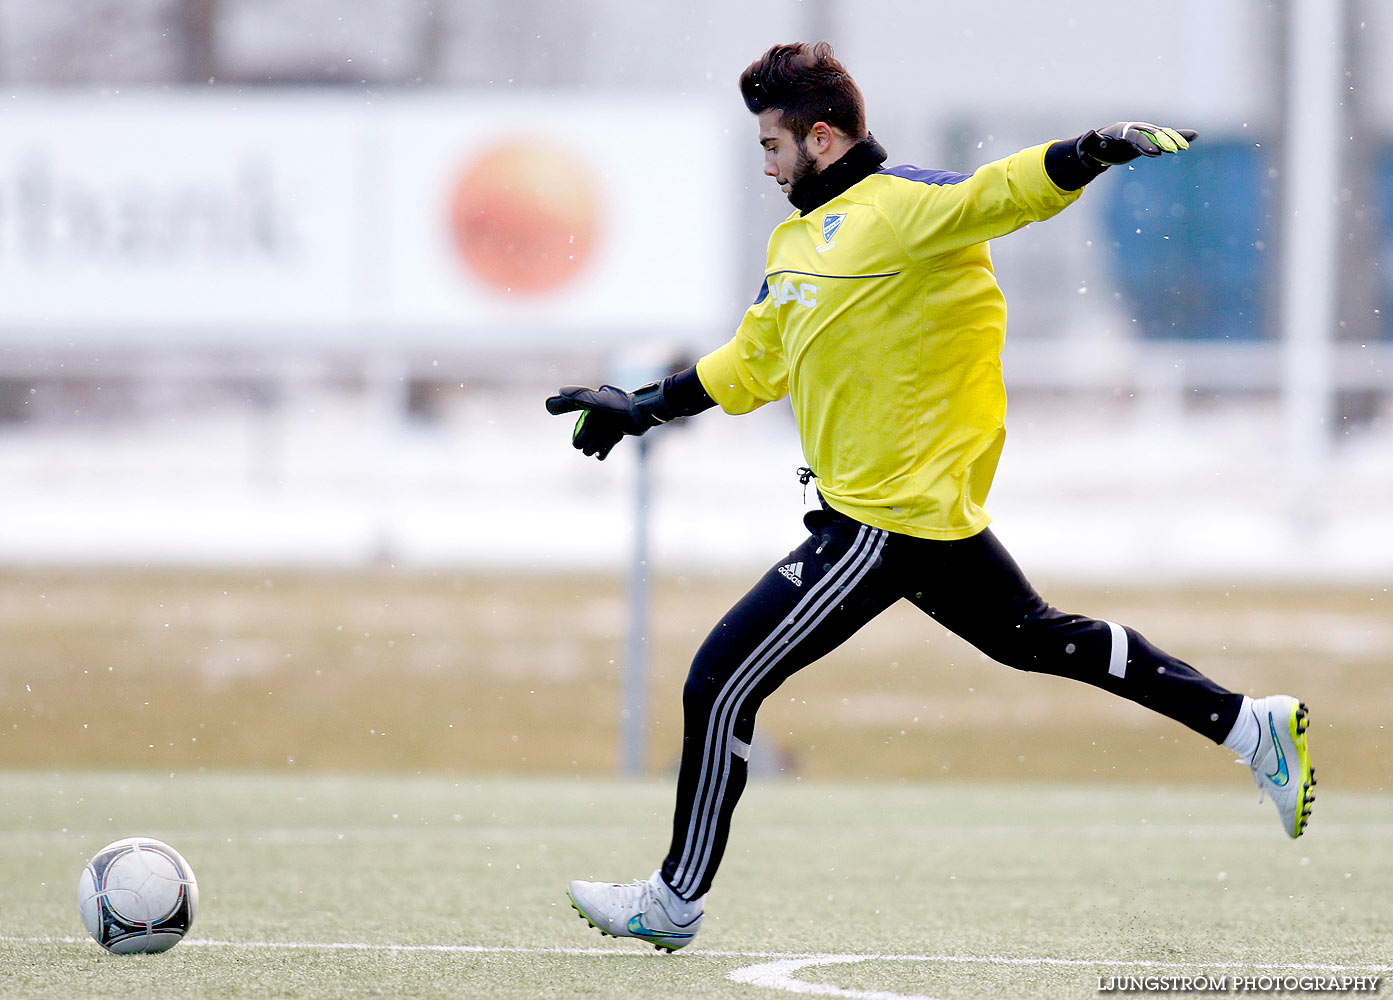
x,y
882,322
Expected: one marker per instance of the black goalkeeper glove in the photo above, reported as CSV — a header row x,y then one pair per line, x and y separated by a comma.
x,y
1123,142
608,413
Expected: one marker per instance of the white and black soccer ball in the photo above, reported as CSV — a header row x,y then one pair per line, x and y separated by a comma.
x,y
137,894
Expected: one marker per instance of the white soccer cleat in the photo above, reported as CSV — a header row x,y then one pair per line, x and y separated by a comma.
x,y
1282,762
647,910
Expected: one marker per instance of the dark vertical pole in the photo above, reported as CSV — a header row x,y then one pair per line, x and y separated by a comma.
x,y
820,21
435,25
200,60
1357,298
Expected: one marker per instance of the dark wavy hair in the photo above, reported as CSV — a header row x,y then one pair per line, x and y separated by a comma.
x,y
806,84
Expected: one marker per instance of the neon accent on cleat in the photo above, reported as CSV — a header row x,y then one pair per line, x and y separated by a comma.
x,y
1281,764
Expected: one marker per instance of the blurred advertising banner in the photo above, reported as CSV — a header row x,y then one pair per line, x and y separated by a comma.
x,y
556,215
447,218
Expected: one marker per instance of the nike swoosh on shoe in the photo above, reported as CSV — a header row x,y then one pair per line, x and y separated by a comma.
x,y
1281,776
636,928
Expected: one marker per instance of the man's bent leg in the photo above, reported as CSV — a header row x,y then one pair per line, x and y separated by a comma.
x,y
804,607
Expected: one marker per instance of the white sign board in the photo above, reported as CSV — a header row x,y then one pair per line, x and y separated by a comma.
x,y
509,217
155,212
451,217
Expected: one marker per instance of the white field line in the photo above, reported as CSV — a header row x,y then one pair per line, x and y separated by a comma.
x,y
775,971
779,975
809,956
1103,832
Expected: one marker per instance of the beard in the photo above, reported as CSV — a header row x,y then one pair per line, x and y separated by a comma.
x,y
803,167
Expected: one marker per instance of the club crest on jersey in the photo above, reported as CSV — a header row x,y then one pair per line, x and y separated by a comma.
x,y
830,225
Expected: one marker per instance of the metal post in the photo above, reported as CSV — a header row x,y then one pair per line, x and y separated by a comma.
x,y
631,715
1311,175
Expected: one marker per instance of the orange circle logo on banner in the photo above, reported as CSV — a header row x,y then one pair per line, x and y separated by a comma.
x,y
525,217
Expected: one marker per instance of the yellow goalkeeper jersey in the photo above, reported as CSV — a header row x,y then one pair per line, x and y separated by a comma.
x,y
882,321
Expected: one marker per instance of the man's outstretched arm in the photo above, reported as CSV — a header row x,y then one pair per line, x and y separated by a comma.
x,y
609,413
1072,163
1031,185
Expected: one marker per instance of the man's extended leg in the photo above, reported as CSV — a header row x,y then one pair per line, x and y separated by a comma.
x,y
975,589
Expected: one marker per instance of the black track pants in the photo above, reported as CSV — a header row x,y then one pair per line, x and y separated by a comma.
x,y
844,575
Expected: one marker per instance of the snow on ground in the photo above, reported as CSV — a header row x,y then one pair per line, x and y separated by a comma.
x,y
1085,491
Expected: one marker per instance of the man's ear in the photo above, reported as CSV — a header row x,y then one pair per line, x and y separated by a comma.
x,y
820,138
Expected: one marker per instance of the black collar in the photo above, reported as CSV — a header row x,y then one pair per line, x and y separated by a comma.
x,y
819,187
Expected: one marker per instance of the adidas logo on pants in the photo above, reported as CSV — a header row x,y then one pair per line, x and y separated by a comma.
x,y
794,572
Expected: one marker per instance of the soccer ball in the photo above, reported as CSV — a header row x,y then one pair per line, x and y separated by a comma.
x,y
137,894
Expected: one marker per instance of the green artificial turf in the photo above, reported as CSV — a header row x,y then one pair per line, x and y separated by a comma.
x,y
360,886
